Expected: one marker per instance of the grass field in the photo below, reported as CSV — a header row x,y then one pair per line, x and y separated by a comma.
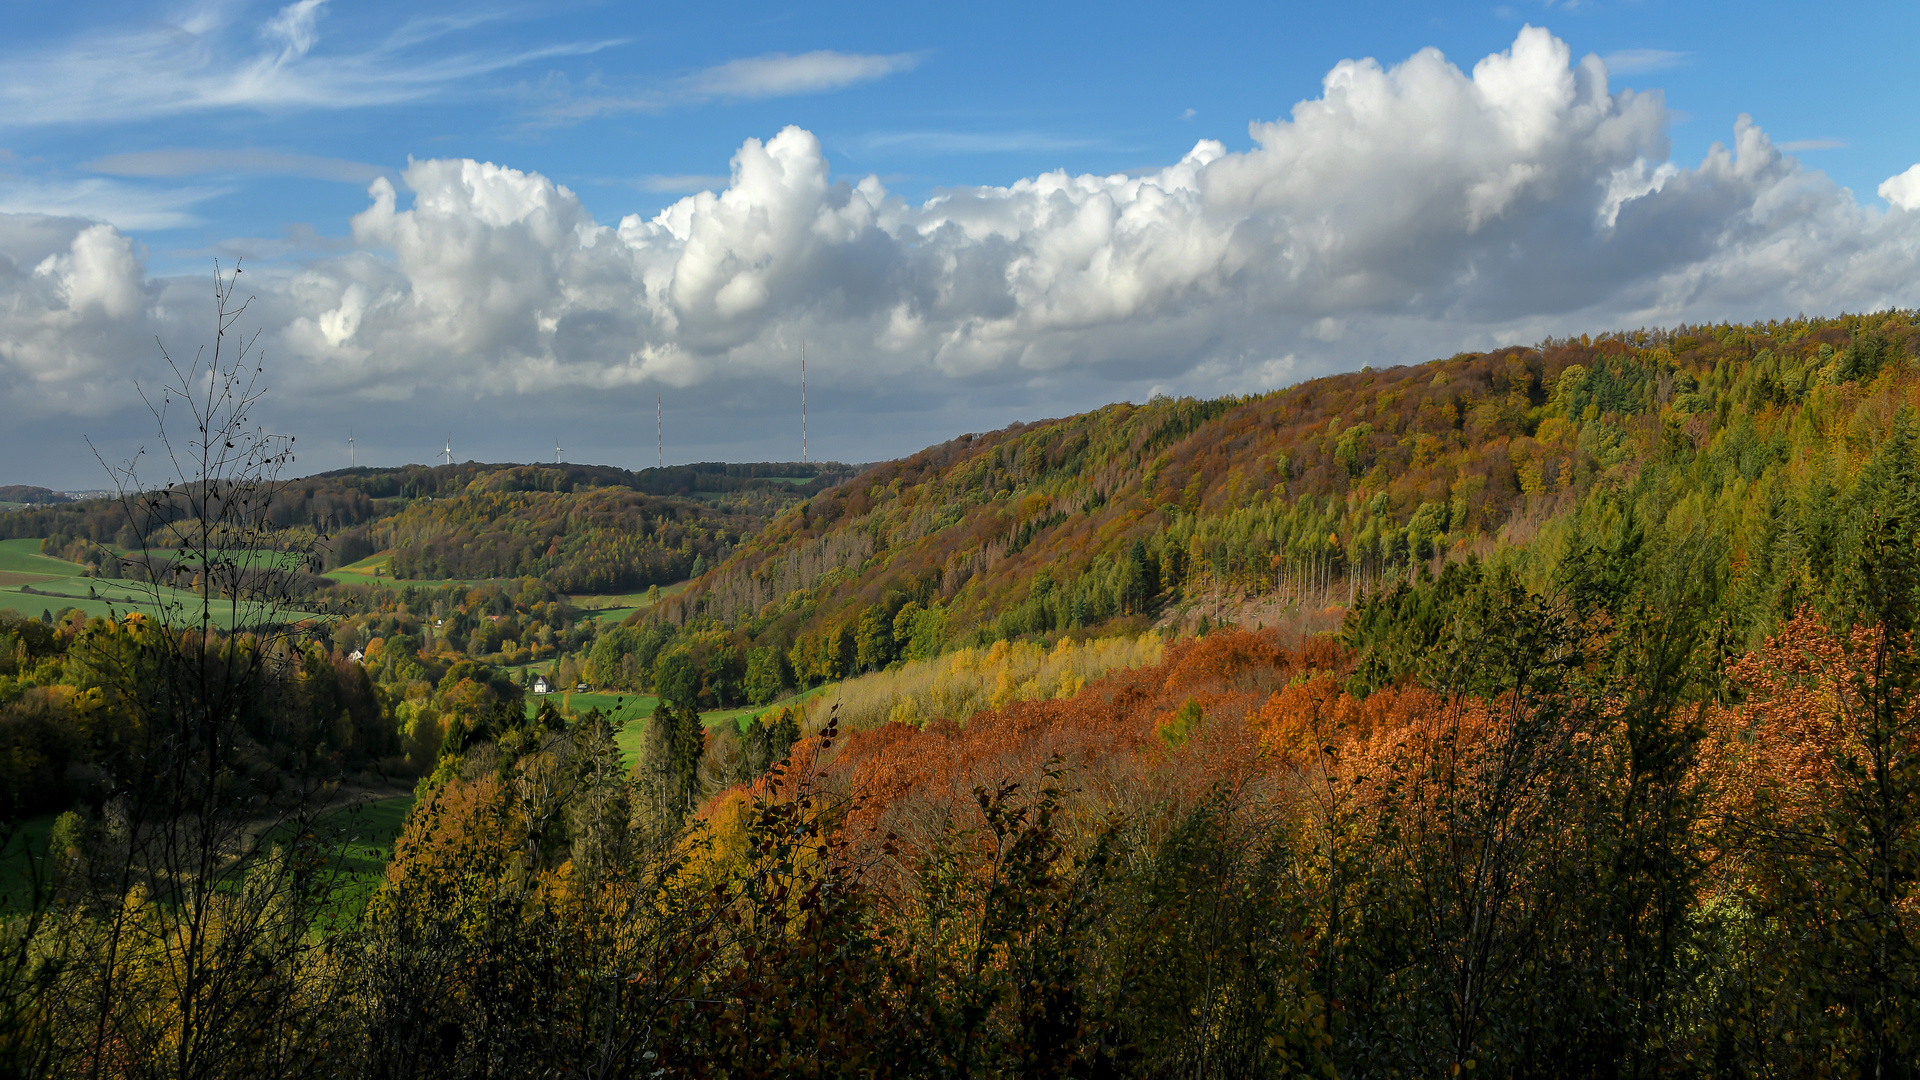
x,y
616,607
366,832
31,583
373,570
57,583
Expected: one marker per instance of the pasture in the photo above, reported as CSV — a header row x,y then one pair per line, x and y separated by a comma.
x,y
31,583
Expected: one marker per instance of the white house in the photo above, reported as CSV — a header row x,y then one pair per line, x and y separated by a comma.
x,y
541,686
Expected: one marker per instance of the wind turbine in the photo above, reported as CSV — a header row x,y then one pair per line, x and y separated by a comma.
x,y
449,450
556,451
350,463
659,436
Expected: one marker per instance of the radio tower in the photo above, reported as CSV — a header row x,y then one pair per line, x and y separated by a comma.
x,y
803,399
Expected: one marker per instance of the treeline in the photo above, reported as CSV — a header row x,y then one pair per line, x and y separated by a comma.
x,y
157,519
27,493
1073,527
704,478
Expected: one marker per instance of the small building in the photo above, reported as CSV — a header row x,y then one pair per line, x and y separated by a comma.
x,y
356,656
541,685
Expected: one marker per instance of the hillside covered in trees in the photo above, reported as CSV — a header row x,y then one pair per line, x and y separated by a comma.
x,y
578,528
1609,765
1747,435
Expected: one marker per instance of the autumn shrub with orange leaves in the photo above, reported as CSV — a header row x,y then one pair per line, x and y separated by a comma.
x,y
1776,753
1815,771
911,780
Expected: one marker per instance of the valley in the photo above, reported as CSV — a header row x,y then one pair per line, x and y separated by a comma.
x,y
1611,619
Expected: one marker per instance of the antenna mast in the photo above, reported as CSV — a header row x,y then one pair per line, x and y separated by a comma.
x,y
803,399
659,439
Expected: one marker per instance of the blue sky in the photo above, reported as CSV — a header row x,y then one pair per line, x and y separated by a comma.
x,y
137,142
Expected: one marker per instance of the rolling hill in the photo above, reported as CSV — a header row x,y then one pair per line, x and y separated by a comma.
x,y
1297,500
579,528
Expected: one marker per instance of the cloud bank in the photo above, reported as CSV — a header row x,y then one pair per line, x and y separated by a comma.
x,y
1405,212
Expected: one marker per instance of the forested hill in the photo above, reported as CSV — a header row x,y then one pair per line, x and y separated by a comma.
x,y
1744,431
579,528
30,495
582,528
767,483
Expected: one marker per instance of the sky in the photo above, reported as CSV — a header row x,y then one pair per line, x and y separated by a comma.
x,y
519,229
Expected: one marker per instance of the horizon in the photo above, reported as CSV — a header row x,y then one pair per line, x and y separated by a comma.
x,y
1639,334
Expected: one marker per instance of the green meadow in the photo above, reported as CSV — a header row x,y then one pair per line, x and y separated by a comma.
x,y
366,832
31,583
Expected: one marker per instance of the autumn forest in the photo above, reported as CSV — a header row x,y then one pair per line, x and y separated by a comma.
x,y
1550,711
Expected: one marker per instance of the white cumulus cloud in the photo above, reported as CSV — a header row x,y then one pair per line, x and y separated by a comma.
x,y
1903,191
1407,211
76,308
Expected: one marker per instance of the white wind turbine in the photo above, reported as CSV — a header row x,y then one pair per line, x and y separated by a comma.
x,y
449,450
